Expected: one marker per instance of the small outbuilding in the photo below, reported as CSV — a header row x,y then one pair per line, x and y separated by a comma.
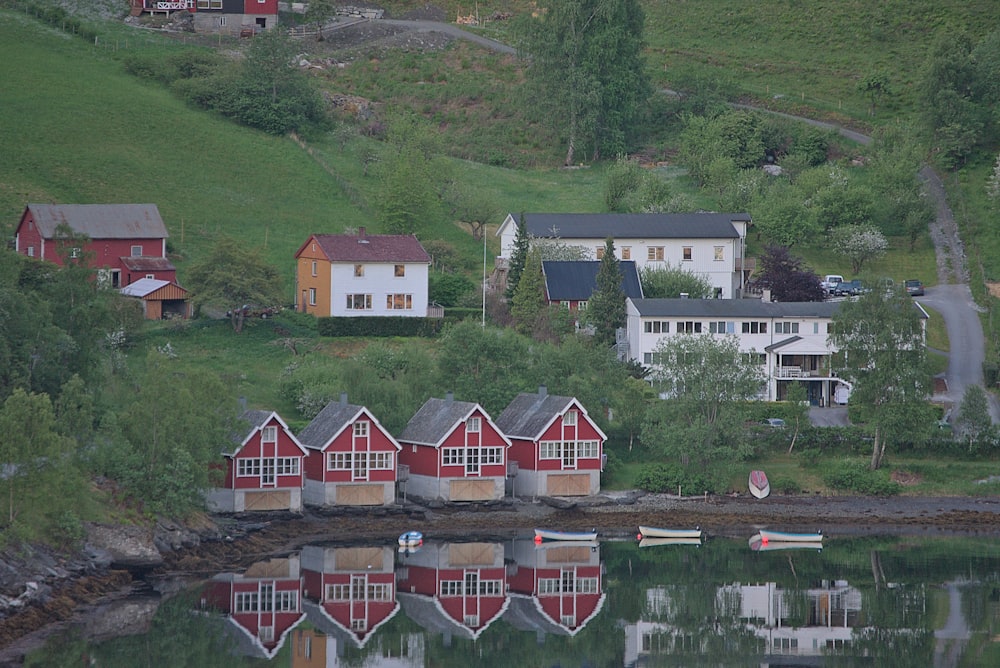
x,y
160,299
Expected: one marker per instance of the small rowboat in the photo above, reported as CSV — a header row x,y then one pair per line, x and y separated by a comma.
x,y
411,539
782,537
657,542
656,532
546,534
759,545
759,486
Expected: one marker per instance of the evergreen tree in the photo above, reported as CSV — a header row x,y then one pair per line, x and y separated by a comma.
x,y
529,297
518,257
606,307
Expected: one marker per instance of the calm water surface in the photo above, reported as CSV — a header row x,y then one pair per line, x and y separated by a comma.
x,y
869,601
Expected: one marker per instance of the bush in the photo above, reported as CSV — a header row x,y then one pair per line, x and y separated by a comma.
x,y
786,485
668,478
855,476
448,289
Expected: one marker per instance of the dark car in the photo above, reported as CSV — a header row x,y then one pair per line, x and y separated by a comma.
x,y
914,288
850,288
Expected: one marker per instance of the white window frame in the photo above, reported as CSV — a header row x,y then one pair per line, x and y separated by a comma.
x,y
269,434
569,418
400,301
720,253
354,298
339,461
550,450
687,253
380,461
361,429
655,254
452,456
134,251
248,467
312,296
474,425
314,266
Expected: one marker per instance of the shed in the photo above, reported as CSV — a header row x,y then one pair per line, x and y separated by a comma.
x,y
160,299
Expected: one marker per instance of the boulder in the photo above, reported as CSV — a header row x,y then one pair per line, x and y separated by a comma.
x,y
124,546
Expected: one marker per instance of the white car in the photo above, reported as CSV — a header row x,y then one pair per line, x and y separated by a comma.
x,y
830,282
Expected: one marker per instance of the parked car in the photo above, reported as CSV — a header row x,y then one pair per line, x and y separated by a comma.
x,y
777,423
914,288
850,288
830,282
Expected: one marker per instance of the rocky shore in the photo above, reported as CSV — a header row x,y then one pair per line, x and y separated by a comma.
x,y
41,589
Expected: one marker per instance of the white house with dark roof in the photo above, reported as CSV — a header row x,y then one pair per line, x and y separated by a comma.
x,y
362,275
708,244
454,452
790,339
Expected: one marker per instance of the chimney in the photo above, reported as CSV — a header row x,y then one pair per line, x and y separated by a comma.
x,y
343,398
243,405
449,397
765,295
543,391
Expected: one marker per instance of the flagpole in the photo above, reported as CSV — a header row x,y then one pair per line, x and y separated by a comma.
x,y
484,277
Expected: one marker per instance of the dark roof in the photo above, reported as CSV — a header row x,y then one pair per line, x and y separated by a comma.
x,y
101,221
435,420
370,248
633,225
134,263
733,308
328,423
577,279
255,419
781,344
528,415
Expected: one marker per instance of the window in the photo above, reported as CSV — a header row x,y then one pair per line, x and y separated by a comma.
x,y
150,276
492,455
549,586
451,587
586,585
626,252
490,587
380,461
566,305
339,461
288,466
269,434
399,270
588,449
654,253
222,21
246,601
719,253
359,270
399,302
136,251
688,327
815,328
286,601
379,591
473,425
31,251
247,467
312,296
550,450
754,327
569,419
599,252
686,253
452,456
314,268
209,4
717,327
657,326
361,429
581,305
786,328
338,592
359,302
74,253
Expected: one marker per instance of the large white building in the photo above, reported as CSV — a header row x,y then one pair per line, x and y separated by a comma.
x,y
711,245
789,338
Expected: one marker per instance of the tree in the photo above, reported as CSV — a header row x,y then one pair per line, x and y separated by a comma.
x,y
489,366
787,277
798,410
232,276
993,183
859,244
670,282
707,382
880,339
974,421
529,297
476,208
623,179
319,12
412,176
875,86
518,256
587,72
732,134
606,306
631,402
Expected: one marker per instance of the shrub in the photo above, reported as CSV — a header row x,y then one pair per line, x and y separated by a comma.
x,y
855,476
786,485
671,477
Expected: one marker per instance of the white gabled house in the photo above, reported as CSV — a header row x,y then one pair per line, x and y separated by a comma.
x,y
708,244
790,339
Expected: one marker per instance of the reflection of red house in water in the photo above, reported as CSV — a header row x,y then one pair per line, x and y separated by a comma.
x,y
350,591
263,604
556,587
457,589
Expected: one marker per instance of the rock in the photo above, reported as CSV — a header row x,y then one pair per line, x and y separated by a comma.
x,y
558,503
126,546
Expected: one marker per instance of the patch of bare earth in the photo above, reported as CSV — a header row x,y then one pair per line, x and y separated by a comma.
x,y
905,478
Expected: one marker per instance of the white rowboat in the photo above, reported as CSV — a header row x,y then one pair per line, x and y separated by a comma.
x,y
546,534
656,532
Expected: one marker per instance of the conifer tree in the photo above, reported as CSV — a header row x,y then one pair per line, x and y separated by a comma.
x,y
606,307
517,257
529,297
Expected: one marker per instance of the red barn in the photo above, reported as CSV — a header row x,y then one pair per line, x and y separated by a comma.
x,y
264,471
352,459
263,604
557,447
349,591
127,242
458,589
454,452
556,587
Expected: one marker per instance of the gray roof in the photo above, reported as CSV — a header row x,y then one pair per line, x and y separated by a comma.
x,y
733,308
435,420
256,420
101,221
633,225
575,280
528,415
328,423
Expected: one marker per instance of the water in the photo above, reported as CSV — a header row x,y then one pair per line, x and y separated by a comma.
x,y
872,601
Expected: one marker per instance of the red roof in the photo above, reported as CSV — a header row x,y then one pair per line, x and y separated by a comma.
x,y
370,247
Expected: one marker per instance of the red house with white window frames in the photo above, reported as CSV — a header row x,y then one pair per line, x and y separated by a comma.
x,y
226,16
349,591
352,459
264,471
454,452
557,446
556,587
127,242
263,604
455,588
